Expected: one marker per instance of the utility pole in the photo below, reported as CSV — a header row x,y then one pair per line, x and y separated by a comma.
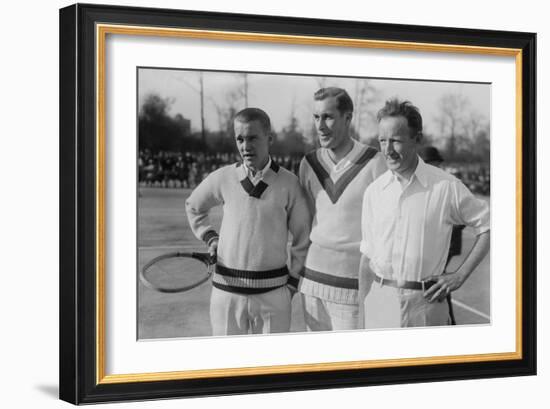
x,y
246,90
203,133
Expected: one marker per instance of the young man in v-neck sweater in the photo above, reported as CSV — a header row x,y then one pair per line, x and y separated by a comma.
x,y
262,204
335,177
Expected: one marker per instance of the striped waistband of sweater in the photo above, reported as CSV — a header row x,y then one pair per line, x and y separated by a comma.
x,y
331,280
250,281
341,290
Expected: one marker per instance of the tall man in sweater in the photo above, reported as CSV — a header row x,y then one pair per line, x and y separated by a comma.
x,y
335,177
262,203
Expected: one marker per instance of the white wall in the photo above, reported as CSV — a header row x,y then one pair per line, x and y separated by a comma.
x,y
29,216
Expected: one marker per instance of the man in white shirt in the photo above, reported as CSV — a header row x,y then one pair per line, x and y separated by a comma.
x,y
407,220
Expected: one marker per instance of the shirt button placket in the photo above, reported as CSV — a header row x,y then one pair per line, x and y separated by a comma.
x,y
399,223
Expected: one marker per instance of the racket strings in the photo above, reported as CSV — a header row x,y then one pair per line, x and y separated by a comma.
x,y
175,273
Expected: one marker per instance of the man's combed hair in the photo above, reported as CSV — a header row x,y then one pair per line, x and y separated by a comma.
x,y
395,107
343,100
254,114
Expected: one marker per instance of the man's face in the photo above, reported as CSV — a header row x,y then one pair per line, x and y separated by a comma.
x,y
397,143
332,126
253,143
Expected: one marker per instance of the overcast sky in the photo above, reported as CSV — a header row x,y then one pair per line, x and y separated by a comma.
x,y
279,94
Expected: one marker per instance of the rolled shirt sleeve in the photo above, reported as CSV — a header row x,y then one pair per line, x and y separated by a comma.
x,y
469,210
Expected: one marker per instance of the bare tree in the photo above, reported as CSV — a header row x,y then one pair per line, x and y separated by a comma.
x,y
291,136
203,131
452,112
158,130
366,95
474,123
481,144
199,90
245,89
453,109
466,131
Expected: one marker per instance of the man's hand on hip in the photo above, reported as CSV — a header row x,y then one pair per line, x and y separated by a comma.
x,y
445,284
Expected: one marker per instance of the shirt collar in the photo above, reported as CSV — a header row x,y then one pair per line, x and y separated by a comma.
x,y
387,178
354,151
420,173
260,173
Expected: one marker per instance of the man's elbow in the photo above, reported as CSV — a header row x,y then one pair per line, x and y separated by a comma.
x,y
485,235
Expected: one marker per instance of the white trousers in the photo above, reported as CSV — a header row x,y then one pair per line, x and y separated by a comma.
x,y
323,315
389,307
238,314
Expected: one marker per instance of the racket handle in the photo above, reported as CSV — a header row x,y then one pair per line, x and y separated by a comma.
x,y
205,257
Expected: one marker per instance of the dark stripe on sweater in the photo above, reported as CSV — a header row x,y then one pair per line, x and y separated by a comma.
x,y
261,186
244,290
253,191
210,234
333,281
251,275
294,282
335,190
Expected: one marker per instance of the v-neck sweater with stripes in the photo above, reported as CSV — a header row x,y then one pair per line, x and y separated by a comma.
x,y
335,195
257,219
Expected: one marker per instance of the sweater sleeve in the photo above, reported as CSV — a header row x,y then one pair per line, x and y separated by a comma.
x,y
299,225
303,175
205,196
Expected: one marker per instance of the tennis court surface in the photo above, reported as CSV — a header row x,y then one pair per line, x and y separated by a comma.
x,y
163,227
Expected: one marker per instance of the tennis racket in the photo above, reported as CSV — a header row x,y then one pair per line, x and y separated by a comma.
x,y
177,272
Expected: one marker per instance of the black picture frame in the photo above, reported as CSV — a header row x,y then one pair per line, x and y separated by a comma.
x,y
80,361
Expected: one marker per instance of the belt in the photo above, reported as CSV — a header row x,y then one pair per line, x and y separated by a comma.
x,y
409,285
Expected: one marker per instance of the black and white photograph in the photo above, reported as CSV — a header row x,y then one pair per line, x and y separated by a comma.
x,y
256,203
282,203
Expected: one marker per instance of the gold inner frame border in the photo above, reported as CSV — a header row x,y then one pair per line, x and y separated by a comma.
x,y
102,30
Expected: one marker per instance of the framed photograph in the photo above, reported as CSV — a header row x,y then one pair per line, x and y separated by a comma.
x,y
258,203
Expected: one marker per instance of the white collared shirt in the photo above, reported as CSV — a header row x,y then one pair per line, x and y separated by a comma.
x,y
255,178
406,231
335,170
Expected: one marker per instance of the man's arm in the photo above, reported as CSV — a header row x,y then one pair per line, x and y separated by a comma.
x,y
449,282
366,275
465,209
365,283
303,177
299,225
197,206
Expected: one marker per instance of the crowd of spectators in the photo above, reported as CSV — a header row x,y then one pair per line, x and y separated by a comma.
x,y
188,169
476,177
